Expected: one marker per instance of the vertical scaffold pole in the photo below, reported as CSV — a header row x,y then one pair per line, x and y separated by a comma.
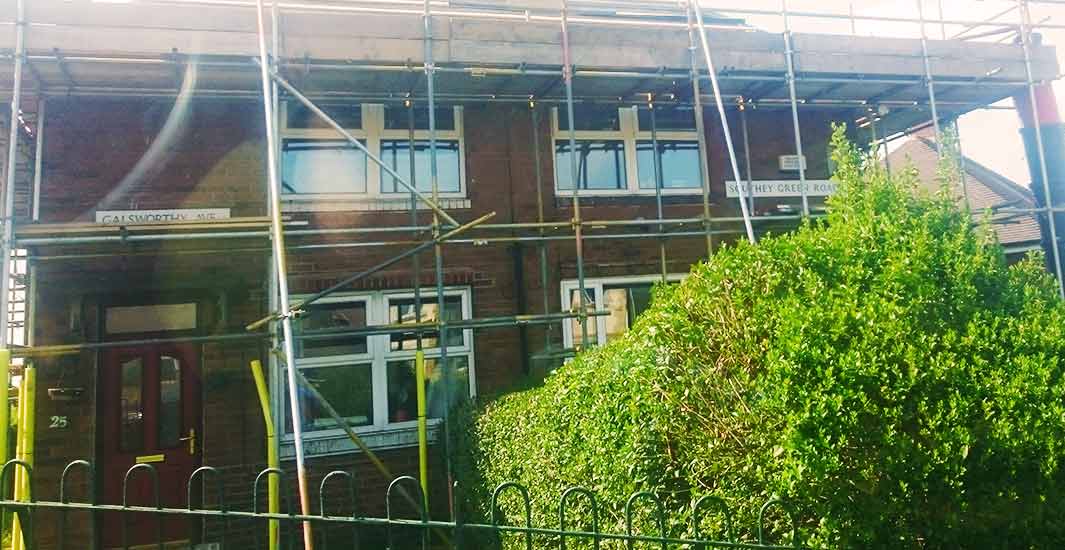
x,y
274,482
278,241
658,179
438,248
38,159
747,151
419,353
700,130
724,119
1048,207
874,142
942,21
929,82
534,114
789,57
9,183
578,228
416,263
961,162
6,248
881,142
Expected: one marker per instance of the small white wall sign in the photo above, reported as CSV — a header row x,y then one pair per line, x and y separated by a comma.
x,y
178,215
790,163
781,188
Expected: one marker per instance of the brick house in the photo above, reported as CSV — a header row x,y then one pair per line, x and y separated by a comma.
x,y
985,190
145,224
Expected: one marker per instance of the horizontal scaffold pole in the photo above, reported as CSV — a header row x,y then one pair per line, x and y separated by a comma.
x,y
504,321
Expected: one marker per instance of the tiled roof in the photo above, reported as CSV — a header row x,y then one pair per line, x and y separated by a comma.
x,y
985,189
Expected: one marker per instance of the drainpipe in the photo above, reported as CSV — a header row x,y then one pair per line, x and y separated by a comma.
x,y
1044,147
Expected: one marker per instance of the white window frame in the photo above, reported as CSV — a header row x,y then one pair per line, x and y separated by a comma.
x,y
596,286
372,133
378,355
630,133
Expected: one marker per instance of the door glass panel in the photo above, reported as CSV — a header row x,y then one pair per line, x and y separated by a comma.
x,y
153,318
575,323
402,312
403,389
624,303
132,407
169,402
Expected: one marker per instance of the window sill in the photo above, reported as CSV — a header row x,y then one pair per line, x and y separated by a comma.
x,y
695,197
336,442
350,204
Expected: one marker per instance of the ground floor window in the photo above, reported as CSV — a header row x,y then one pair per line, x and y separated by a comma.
x,y
370,379
624,298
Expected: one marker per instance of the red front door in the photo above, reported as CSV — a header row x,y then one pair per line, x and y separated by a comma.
x,y
150,410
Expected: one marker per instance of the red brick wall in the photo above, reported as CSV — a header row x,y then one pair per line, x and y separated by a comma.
x,y
91,146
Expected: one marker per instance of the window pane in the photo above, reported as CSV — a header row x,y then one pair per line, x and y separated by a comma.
x,y
671,118
602,118
322,166
402,387
348,388
132,432
402,311
169,402
396,118
624,303
348,116
396,152
575,324
600,164
335,316
680,164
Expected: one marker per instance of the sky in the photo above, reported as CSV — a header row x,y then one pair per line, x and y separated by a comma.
x,y
990,137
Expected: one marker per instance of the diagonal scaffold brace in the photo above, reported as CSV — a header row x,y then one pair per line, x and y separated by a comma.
x,y
294,309
697,12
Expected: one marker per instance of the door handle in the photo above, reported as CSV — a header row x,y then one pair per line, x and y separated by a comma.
x,y
192,440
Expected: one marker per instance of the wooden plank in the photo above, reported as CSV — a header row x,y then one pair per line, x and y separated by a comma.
x,y
81,228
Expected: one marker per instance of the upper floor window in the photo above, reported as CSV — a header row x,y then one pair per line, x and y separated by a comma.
x,y
318,164
615,152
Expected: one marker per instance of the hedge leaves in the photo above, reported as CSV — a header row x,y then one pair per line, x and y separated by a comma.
x,y
883,369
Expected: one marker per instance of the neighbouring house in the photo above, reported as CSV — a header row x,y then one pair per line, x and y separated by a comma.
x,y
984,190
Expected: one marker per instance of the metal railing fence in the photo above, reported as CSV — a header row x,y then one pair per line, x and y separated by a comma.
x,y
578,511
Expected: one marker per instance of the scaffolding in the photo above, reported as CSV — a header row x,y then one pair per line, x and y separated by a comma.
x,y
268,235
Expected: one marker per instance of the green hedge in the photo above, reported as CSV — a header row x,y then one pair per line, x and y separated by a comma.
x,y
883,369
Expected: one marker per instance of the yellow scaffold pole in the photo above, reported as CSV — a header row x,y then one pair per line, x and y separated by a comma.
x,y
272,461
423,435
25,435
